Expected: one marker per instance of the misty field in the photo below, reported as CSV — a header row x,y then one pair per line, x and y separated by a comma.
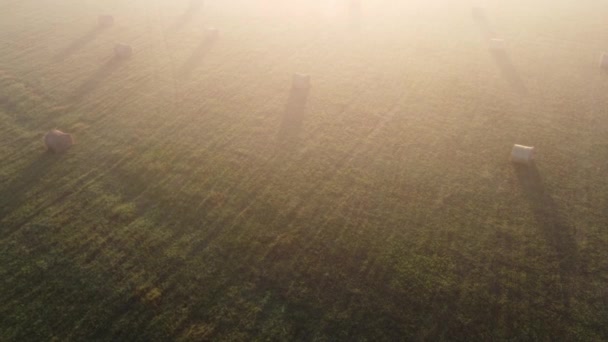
x,y
206,200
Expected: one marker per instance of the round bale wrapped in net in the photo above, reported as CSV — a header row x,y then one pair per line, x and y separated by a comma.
x,y
123,50
300,81
522,154
604,61
497,44
105,20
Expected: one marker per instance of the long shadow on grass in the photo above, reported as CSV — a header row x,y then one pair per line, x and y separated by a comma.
x,y
508,70
95,80
79,43
501,57
197,56
558,233
193,8
12,196
293,117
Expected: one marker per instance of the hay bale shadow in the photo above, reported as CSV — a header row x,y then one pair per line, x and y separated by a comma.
x,y
95,80
293,116
558,233
186,17
80,43
501,57
197,56
508,70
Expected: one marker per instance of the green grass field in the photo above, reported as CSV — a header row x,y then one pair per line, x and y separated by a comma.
x,y
205,201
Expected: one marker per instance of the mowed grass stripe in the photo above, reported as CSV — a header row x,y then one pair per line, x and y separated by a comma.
x,y
397,199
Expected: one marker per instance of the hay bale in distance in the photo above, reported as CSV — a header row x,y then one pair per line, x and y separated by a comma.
x,y
497,44
58,142
123,50
522,154
604,61
300,81
106,20
478,13
196,4
212,33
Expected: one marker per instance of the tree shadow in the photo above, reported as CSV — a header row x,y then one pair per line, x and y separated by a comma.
x,y
508,70
12,196
293,116
197,56
558,233
95,80
80,43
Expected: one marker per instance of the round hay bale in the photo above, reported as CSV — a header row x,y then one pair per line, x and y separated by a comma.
x,y
604,61
478,13
300,81
58,142
212,32
497,44
106,20
522,154
123,50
